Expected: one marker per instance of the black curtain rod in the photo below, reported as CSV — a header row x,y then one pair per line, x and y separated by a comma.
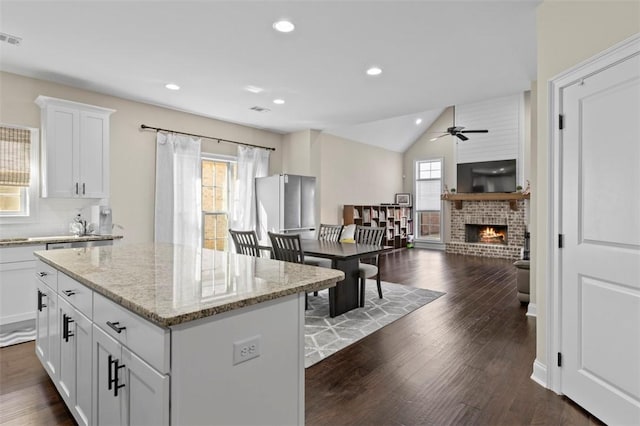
x,y
158,129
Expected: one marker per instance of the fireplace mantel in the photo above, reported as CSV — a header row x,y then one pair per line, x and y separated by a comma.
x,y
511,197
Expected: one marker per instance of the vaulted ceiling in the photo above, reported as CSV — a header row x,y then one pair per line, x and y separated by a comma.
x,y
432,54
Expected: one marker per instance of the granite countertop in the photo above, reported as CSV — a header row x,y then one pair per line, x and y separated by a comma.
x,y
170,284
25,241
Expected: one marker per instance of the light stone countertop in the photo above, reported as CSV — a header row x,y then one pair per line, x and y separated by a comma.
x,y
171,284
26,241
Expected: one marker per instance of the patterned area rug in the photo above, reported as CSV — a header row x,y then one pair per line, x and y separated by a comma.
x,y
324,336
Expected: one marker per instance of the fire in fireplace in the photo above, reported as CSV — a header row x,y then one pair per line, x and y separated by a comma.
x,y
486,234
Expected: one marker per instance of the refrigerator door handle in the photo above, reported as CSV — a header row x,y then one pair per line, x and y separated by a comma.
x,y
295,230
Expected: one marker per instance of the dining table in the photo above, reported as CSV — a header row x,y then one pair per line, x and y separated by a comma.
x,y
345,257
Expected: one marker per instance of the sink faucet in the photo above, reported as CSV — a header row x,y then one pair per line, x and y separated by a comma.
x,y
83,225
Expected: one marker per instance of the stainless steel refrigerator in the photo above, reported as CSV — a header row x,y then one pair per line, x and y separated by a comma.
x,y
286,204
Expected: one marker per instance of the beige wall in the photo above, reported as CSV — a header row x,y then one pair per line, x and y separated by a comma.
x,y
132,151
296,153
354,173
569,32
424,149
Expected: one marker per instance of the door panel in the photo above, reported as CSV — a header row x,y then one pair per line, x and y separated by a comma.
x,y
595,334
609,169
93,152
106,407
145,388
308,202
291,202
600,260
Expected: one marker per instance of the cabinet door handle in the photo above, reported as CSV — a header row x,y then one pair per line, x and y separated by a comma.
x,y
76,188
83,192
66,320
116,326
40,304
69,292
42,274
116,379
110,374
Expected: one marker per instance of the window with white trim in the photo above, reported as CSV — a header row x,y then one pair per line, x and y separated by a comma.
x,y
18,172
428,203
218,175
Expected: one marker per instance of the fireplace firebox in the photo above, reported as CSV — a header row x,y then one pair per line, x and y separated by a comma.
x,y
486,234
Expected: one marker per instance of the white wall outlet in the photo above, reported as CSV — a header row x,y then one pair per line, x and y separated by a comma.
x,y
244,350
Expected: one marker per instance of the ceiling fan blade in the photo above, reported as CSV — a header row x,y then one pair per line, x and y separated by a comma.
x,y
474,131
462,137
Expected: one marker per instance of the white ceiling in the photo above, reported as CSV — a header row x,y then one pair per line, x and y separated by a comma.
x,y
433,54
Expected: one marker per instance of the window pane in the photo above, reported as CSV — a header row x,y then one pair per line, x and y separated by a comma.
x,y
10,199
217,179
207,173
429,225
428,195
207,199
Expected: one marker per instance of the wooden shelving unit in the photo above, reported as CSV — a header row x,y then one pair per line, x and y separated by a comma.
x,y
396,219
511,197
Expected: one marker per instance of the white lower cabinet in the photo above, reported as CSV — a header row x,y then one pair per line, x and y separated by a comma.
x,y
127,390
47,330
75,361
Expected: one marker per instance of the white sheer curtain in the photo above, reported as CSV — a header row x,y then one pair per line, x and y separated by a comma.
x,y
252,163
178,216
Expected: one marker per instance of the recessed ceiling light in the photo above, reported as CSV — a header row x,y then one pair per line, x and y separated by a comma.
x,y
284,26
172,86
418,121
374,71
278,101
253,89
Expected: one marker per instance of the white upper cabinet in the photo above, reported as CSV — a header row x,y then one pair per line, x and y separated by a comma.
x,y
75,149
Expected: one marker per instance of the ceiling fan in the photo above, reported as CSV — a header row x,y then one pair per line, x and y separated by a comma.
x,y
457,131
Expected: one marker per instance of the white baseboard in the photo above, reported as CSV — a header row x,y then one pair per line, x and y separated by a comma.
x,y
532,310
539,373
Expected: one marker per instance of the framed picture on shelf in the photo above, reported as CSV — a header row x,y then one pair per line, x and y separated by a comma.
x,y
403,199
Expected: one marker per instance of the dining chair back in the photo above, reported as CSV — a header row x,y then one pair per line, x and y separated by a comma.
x,y
330,232
286,247
369,235
369,268
246,242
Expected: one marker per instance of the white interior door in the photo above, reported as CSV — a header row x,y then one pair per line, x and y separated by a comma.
x,y
600,260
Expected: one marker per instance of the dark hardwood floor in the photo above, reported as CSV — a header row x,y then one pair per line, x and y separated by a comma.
x,y
465,358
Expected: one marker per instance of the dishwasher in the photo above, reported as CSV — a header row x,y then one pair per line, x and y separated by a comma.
x,y
79,244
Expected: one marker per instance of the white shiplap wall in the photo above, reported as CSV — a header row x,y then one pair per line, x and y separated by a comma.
x,y
504,118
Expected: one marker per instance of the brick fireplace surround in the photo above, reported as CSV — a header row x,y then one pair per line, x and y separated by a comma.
x,y
484,212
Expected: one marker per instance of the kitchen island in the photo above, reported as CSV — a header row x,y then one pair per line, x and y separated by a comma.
x,y
163,334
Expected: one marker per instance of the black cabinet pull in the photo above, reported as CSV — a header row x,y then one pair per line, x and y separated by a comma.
x,y
83,192
40,304
116,326
66,320
76,188
42,274
117,386
69,292
110,375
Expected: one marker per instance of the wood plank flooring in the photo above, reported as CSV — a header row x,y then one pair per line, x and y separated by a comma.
x,y
465,358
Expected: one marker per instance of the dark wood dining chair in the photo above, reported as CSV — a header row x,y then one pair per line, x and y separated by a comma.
x,y
369,268
330,232
287,247
246,242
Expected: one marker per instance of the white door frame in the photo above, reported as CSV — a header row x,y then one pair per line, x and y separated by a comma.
x,y
609,57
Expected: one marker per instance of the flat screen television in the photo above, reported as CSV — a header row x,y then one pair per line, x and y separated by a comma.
x,y
487,176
